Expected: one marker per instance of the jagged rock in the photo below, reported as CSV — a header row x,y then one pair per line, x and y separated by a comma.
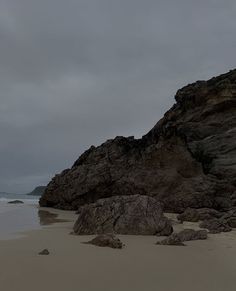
x,y
106,240
134,214
187,160
182,236
194,215
216,225
44,252
16,202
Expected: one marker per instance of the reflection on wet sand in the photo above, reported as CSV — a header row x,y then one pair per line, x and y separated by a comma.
x,y
47,218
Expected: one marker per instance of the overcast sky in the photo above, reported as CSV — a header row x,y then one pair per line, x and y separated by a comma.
x,y
76,72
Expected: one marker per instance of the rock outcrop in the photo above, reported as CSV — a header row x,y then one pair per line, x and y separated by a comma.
x,y
136,214
187,160
38,191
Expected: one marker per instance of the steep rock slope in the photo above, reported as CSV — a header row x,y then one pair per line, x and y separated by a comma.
x,y
187,160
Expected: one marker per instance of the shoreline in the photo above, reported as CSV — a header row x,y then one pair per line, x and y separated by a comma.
x,y
141,266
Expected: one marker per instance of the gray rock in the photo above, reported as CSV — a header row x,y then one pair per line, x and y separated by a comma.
x,y
16,202
172,240
216,225
190,234
232,222
106,240
182,236
194,215
188,159
44,252
135,214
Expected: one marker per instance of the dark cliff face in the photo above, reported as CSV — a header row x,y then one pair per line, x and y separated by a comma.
x,y
187,160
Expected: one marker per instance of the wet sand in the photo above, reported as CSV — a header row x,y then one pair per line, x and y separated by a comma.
x,y
141,266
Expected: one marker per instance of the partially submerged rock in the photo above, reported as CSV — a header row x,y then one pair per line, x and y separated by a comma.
x,y
16,202
134,214
44,252
106,240
216,225
182,236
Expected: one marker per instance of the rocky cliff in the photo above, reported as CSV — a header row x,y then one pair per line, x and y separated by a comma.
x,y
187,160
38,191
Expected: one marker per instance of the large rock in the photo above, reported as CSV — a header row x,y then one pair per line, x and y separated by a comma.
x,y
134,214
187,160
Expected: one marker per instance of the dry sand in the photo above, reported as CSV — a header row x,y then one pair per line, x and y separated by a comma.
x,y
141,266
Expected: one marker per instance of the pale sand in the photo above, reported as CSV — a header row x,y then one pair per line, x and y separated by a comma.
x,y
200,266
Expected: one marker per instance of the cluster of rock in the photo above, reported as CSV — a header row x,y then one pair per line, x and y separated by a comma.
x,y
188,160
211,219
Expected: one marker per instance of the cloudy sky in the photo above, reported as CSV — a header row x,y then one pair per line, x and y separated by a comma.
x,y
76,72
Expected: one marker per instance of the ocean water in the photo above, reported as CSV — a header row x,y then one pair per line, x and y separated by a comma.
x,y
18,218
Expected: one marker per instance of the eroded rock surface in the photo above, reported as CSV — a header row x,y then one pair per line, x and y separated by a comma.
x,y
187,160
106,240
195,215
216,225
136,214
182,236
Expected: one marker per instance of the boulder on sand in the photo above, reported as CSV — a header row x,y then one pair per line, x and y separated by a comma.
x,y
134,214
182,236
106,240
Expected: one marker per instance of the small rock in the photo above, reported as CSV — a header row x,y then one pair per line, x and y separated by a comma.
x,y
44,252
177,239
172,240
16,202
106,240
190,234
216,225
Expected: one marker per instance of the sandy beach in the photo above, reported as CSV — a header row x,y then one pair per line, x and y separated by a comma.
x,y
201,265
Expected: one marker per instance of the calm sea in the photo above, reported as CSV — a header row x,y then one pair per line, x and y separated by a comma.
x,y
18,218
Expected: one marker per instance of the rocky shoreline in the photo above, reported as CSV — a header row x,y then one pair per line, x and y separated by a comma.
x,y
186,164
